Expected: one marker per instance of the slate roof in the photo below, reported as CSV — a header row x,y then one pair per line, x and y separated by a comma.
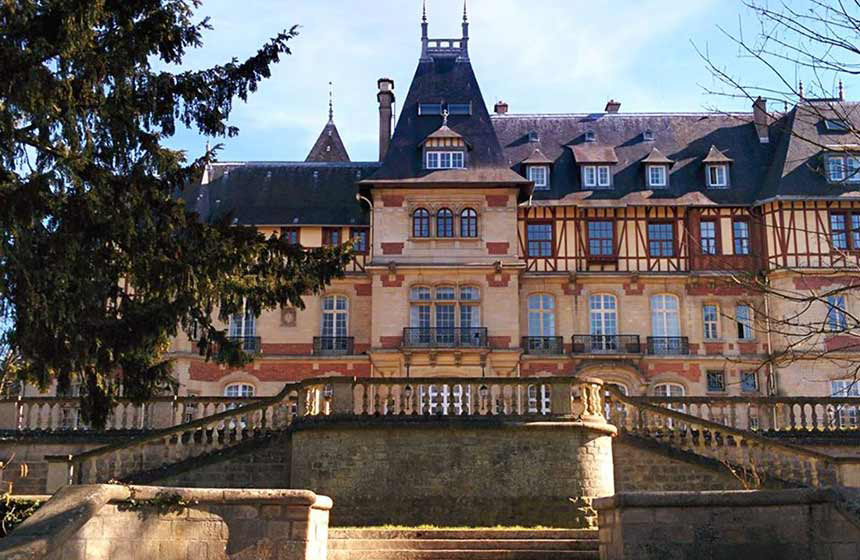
x,y
445,79
328,147
281,194
685,138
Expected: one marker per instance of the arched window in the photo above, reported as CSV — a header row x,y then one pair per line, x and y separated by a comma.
x,y
421,223
671,390
335,317
603,323
541,315
239,391
444,223
468,223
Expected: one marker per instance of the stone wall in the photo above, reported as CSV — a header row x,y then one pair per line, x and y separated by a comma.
x,y
108,522
800,524
454,471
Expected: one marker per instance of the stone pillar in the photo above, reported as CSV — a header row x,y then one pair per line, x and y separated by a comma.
x,y
342,398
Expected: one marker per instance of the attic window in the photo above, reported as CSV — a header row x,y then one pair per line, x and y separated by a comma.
x,y
534,136
590,136
718,176
429,109
459,108
445,160
843,168
648,136
836,125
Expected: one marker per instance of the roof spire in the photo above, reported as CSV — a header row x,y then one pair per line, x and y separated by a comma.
x,y
445,117
330,104
800,88
424,11
465,11
841,92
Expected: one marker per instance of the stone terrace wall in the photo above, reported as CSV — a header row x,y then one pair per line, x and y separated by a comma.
x,y
799,524
454,472
99,522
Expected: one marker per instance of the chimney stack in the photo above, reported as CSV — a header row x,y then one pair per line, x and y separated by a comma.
x,y
501,108
386,114
761,118
612,106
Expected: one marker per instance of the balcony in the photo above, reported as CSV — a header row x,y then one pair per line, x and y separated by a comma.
x,y
606,344
668,346
445,337
249,344
543,345
334,345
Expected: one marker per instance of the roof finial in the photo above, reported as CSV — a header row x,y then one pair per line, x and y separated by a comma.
x,y
330,103
465,11
841,92
424,11
800,89
445,117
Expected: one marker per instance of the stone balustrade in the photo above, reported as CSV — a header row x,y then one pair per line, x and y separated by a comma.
x,y
731,446
60,414
769,414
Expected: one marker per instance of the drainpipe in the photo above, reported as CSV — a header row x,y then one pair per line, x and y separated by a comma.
x,y
369,202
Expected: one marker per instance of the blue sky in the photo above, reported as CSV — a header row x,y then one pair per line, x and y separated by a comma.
x,y
541,56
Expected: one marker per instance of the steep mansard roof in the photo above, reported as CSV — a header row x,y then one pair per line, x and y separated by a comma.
x,y
282,194
328,147
686,139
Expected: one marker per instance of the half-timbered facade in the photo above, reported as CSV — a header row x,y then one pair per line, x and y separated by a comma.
x,y
537,245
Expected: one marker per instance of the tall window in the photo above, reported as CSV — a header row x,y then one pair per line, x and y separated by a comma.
x,y
422,305
718,176
708,237
335,319
331,237
421,223
541,315
290,234
665,321
845,231
743,320
444,223
601,239
836,316
445,308
539,239
603,322
539,174
468,223
711,320
539,399
239,391
741,232
244,326
848,415
661,239
359,240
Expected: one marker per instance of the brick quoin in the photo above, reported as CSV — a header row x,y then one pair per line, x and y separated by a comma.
x,y
392,200
634,289
393,280
392,248
498,280
690,371
816,282
390,341
572,290
363,289
499,341
500,248
292,349
747,347
713,348
497,200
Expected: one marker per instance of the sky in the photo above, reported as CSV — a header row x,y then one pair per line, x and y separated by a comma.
x,y
540,56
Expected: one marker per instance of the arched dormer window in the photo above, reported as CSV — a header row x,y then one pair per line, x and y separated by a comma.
x,y
468,223
421,223
444,223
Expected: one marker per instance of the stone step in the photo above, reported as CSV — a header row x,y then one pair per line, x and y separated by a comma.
x,y
461,544
464,554
460,534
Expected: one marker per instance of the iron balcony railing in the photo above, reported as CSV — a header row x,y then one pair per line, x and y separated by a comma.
x,y
445,337
606,344
543,345
668,345
334,345
250,344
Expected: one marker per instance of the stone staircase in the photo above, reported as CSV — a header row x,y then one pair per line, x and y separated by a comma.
x,y
453,544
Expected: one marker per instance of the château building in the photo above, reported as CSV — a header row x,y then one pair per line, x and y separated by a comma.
x,y
525,245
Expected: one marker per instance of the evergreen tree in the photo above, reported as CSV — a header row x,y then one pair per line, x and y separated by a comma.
x,y
100,261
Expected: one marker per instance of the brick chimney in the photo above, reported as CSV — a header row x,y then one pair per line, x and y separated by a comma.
x,y
761,118
386,114
501,108
612,106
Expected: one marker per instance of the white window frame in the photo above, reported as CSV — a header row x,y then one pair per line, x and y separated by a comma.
x,y
426,300
718,175
241,390
711,326
749,324
663,175
589,175
604,176
837,313
335,312
843,169
541,314
539,175
847,415
603,315
661,311
452,159
545,399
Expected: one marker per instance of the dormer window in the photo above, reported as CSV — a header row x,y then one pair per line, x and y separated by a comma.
x,y
843,168
590,136
534,136
718,176
657,176
425,109
596,176
836,125
459,108
445,160
648,136
539,175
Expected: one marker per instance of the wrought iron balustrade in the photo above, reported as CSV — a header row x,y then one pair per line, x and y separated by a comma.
x,y
334,345
250,344
445,337
668,345
543,345
606,344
